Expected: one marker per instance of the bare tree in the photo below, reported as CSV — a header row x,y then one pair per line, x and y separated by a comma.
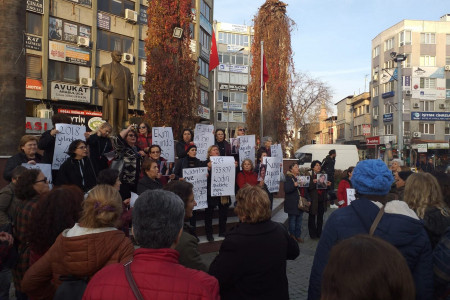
x,y
304,102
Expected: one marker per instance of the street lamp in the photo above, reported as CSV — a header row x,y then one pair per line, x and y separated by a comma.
x,y
399,58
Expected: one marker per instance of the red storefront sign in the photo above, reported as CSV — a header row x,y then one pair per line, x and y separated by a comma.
x,y
373,140
33,84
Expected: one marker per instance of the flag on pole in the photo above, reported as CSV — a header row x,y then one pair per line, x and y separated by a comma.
x,y
265,72
213,55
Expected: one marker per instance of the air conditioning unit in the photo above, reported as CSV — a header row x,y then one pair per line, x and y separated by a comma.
x,y
408,93
416,105
442,106
44,113
128,58
375,117
417,134
447,67
141,96
83,41
131,16
85,81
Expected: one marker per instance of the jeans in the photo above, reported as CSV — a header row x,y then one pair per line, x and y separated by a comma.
x,y
5,283
295,224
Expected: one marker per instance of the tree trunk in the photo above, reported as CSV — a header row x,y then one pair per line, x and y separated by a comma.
x,y
12,74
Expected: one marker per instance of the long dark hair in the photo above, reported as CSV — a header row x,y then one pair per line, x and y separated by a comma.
x,y
54,212
24,189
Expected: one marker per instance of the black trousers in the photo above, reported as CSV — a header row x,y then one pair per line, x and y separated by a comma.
x,y
223,209
315,222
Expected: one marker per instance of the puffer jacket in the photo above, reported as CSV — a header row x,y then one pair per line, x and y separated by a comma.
x,y
81,256
158,275
399,226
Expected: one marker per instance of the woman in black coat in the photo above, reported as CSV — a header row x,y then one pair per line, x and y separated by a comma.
x,y
318,198
77,169
150,181
27,155
99,144
224,146
182,145
252,259
291,200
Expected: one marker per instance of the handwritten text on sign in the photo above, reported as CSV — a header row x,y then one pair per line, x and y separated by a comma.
x,y
272,179
277,151
67,134
198,178
246,148
163,137
350,196
222,176
203,138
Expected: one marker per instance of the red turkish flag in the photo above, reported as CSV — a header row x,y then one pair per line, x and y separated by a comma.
x,y
265,72
213,55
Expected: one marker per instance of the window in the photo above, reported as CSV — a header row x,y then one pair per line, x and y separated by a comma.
x,y
406,128
388,108
374,130
205,10
447,39
389,44
142,49
233,58
447,128
389,86
426,128
233,39
389,64
222,96
109,41
447,60
204,68
407,62
427,83
115,7
205,40
34,66
34,23
59,29
222,116
404,37
59,71
367,109
341,131
237,97
428,38
376,51
428,61
426,105
204,98
375,91
389,129
375,72
375,110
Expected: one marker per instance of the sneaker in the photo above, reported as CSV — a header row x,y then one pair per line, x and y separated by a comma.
x,y
210,238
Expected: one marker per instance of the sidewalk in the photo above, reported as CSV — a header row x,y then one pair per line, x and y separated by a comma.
x,y
299,269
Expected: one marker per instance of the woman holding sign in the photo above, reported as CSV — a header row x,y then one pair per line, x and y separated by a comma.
x,y
318,198
27,154
291,202
165,169
344,184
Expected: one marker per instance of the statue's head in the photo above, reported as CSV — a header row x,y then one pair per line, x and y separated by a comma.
x,y
116,56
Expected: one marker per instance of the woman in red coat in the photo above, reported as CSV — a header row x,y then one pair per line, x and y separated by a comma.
x,y
247,175
343,186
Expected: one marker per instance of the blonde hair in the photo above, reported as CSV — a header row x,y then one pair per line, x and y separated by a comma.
x,y
250,161
25,139
101,208
236,130
210,148
102,126
252,205
423,191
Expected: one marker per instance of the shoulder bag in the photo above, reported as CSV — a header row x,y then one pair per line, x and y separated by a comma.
x,y
131,282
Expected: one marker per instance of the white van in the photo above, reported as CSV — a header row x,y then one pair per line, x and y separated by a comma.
x,y
346,155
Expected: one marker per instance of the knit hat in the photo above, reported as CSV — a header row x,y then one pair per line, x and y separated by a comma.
x,y
372,177
191,145
404,174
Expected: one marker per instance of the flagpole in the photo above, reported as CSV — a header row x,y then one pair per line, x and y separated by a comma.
x,y
214,98
261,98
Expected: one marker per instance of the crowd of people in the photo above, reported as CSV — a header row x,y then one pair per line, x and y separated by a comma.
x,y
73,240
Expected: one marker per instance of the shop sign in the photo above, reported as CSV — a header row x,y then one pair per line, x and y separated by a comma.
x,y
90,119
203,112
37,125
387,95
232,106
366,129
233,27
438,146
373,140
83,2
70,92
36,6
233,68
63,30
33,84
233,87
388,117
33,42
103,21
143,15
68,53
430,116
422,148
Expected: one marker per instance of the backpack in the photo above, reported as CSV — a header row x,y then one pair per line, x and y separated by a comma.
x,y
71,288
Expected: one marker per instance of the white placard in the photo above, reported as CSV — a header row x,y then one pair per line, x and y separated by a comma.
x,y
67,134
46,169
163,137
422,148
350,196
277,151
198,178
133,199
223,174
246,148
203,138
272,178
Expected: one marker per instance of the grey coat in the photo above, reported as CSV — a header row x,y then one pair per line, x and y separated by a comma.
x,y
291,195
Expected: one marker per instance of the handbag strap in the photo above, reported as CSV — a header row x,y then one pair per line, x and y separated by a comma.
x,y
131,282
376,221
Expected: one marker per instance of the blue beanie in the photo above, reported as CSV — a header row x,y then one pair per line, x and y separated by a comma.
x,y
372,177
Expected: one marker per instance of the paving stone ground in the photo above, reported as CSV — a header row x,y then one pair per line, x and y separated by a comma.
x,y
299,269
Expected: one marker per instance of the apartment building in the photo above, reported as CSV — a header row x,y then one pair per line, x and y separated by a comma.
x,y
68,40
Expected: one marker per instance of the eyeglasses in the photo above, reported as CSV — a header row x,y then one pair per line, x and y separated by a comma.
x,y
43,180
241,129
155,152
142,127
131,135
82,147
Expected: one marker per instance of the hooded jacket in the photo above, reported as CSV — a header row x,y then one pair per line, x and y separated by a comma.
x,y
399,226
80,255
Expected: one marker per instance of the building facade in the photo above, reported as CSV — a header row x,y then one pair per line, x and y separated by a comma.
x,y
232,76
68,40
425,89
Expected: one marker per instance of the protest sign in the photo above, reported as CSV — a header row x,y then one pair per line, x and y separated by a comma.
x,y
203,138
163,137
350,196
198,178
303,181
246,148
223,174
46,169
277,151
67,134
272,178
133,199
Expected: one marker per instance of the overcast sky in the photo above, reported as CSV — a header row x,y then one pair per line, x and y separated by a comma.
x,y
332,39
